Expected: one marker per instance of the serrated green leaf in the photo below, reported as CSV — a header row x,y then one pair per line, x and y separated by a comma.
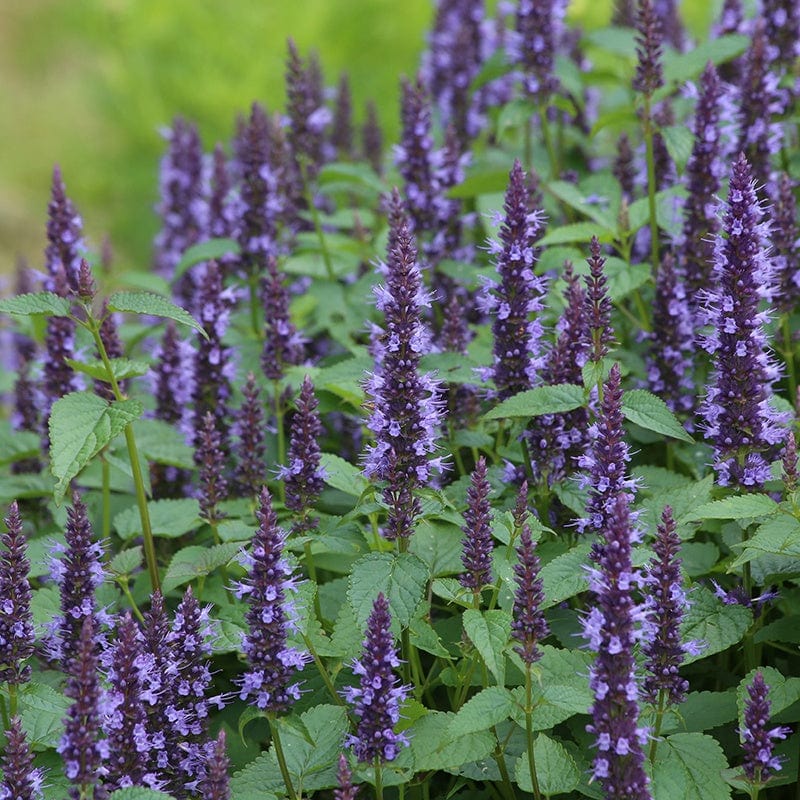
x,y
778,536
139,793
163,443
351,173
565,575
121,367
739,507
209,250
684,501
433,748
541,400
440,545
81,424
35,303
689,766
651,412
424,637
127,561
713,623
483,711
576,232
42,710
17,445
195,562
168,518
679,140
153,305
786,629
556,770
489,631
701,711
682,67
581,200
342,475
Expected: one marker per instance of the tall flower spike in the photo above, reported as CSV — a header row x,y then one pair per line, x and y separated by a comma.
x,y
407,407
740,423
703,176
250,450
782,23
538,25
16,620
303,477
269,683
213,488
344,778
372,139
342,130
757,741
671,24
649,69
216,784
528,625
81,748
790,463
221,208
20,780
283,345
786,241
478,542
378,697
174,378
519,293
625,167
598,304
65,245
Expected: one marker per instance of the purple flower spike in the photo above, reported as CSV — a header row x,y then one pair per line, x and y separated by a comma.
x,y
174,379
216,784
739,420
407,406
221,208
283,345
538,25
782,23
250,450
758,741
519,293
610,630
268,683
303,477
666,600
649,69
344,779
598,304
786,241
528,625
625,167
790,463
372,139
16,621
209,457
65,245
378,697
342,129
478,542
81,748
20,780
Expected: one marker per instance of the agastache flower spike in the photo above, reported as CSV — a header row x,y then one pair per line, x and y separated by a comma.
x,y
303,477
786,241
344,778
372,139
209,457
221,208
649,70
598,304
757,741
538,25
283,345
610,629
528,625
268,683
739,421
624,167
790,463
16,620
342,129
378,697
216,784
20,780
478,542
782,23
250,450
65,245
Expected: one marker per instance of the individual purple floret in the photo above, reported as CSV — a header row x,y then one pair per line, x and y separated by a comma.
x,y
20,780
372,138
740,423
538,24
303,476
789,460
610,628
16,620
666,601
269,683
78,574
757,740
213,486
478,542
519,294
598,304
528,625
737,596
250,449
703,177
649,68
377,699
216,783
182,208
672,341
81,748
65,245
786,244
407,408
283,345
342,128
344,779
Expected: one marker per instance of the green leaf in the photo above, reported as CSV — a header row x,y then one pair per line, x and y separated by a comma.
x,y
778,536
556,399
679,141
121,367
556,770
195,562
401,578
209,250
565,575
139,793
342,475
81,424
168,518
433,749
701,711
17,445
157,441
424,637
651,412
127,561
576,232
483,711
578,199
689,766
738,507
713,623
153,305
28,305
783,691
351,173
42,710
684,66
489,631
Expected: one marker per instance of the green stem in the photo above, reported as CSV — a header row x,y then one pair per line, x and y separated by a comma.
x,y
255,304
323,672
508,789
122,580
660,709
13,699
276,740
529,732
4,713
378,780
788,357
106,479
548,143
651,184
312,573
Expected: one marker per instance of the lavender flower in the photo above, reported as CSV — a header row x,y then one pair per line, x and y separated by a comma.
x,y
174,379
478,542
372,139
16,620
757,741
739,421
267,684
81,748
519,294
538,25
20,780
65,245
786,241
378,697
216,784
283,345
303,477
610,629
342,129
649,69
407,406
782,27
344,779
209,457
528,625
598,304
249,428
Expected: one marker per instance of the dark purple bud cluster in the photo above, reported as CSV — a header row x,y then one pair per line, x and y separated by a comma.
x,y
283,345
213,488
21,781
649,68
598,304
372,138
114,348
250,449
344,778
538,26
478,542
528,625
216,783
790,463
625,167
342,128
786,244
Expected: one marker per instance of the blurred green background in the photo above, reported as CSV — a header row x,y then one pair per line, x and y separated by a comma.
x,y
88,83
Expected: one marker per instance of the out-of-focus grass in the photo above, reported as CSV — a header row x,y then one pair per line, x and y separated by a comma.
x,y
88,83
